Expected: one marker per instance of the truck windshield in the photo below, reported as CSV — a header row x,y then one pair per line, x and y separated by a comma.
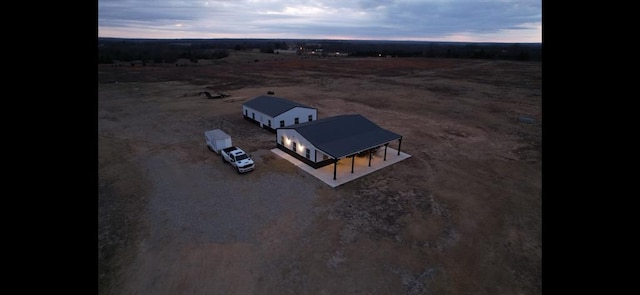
x,y
241,157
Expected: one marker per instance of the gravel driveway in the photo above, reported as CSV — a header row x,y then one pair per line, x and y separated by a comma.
x,y
202,203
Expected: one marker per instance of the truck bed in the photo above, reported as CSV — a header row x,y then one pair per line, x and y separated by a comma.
x,y
230,149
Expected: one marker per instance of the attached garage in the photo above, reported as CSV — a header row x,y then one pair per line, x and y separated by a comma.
x,y
326,141
272,112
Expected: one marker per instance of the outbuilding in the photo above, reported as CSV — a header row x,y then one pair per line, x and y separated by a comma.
x,y
272,112
326,141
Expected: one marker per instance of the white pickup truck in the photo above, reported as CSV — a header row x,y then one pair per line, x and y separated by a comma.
x,y
238,159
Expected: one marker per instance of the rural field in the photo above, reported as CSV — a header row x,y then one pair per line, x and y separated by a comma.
x,y
462,215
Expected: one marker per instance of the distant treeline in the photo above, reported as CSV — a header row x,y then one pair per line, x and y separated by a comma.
x,y
111,50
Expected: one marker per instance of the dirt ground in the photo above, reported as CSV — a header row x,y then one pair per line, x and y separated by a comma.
x,y
461,216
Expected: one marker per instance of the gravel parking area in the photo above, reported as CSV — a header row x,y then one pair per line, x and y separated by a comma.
x,y
208,203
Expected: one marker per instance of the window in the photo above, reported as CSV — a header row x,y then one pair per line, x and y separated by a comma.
x,y
310,118
246,113
281,123
269,123
293,146
253,115
296,121
308,154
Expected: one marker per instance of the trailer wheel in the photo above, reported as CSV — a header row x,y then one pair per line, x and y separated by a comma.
x,y
223,160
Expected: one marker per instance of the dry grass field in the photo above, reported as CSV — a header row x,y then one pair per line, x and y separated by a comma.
x,y
461,216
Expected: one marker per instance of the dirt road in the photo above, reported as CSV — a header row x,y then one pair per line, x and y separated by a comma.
x,y
461,216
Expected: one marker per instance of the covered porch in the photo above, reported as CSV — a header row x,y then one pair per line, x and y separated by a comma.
x,y
349,168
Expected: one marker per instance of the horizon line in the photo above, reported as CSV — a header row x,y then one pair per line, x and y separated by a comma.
x,y
315,39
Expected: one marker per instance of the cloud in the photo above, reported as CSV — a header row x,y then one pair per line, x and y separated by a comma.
x,y
432,20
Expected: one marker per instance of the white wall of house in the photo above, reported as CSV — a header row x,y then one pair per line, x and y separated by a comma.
x,y
289,137
289,117
258,116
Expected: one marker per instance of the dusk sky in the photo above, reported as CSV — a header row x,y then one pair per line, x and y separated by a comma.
x,y
513,21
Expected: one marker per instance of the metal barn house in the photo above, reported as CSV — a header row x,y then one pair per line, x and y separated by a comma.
x,y
326,141
272,112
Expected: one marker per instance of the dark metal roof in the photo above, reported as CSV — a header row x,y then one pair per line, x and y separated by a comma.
x,y
344,135
273,105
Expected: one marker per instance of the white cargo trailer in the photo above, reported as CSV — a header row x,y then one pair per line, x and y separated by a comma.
x,y
217,140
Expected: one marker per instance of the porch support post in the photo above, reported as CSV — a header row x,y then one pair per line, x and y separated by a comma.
x,y
370,153
335,166
385,151
353,159
399,144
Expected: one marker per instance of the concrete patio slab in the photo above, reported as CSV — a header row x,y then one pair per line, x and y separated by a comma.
x,y
343,170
